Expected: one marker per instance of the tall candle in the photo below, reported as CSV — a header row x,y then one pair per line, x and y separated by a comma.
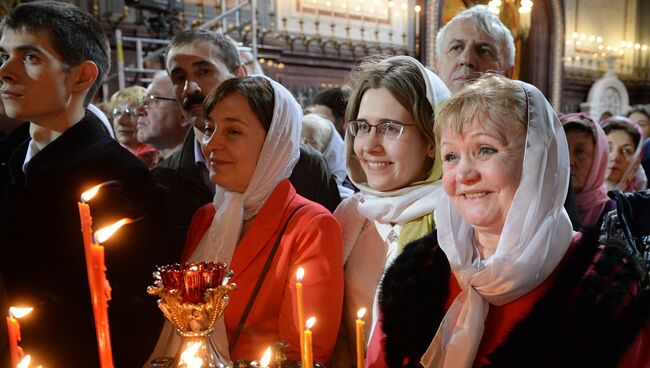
x,y
13,329
309,355
97,282
14,336
301,316
360,338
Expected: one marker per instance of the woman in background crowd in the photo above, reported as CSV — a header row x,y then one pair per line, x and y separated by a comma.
x,y
624,171
392,158
320,133
588,153
123,113
641,116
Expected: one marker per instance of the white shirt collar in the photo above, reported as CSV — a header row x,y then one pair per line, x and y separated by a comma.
x,y
198,154
32,150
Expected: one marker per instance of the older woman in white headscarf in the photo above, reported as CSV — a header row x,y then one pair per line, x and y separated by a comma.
x,y
391,157
252,144
321,135
505,282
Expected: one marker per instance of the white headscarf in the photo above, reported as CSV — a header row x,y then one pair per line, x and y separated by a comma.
x,y
277,159
334,155
401,205
536,234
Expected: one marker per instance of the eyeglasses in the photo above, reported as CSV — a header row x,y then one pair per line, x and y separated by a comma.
x,y
148,101
388,129
129,112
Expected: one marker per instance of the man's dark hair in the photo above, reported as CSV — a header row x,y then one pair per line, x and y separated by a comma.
x,y
257,90
224,46
640,109
75,35
623,124
334,98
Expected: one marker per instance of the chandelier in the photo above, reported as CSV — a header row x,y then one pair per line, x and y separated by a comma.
x,y
515,14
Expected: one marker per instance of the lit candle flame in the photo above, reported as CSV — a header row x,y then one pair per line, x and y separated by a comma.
x,y
20,312
361,313
300,274
24,363
266,358
310,322
189,358
90,193
103,234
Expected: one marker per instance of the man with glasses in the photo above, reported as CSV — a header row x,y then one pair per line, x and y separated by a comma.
x,y
160,121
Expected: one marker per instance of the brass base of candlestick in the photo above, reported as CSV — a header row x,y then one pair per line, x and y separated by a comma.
x,y
198,350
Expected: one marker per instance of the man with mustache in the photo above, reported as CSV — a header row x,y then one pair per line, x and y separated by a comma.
x,y
198,61
473,42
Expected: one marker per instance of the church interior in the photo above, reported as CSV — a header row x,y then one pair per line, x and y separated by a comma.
x,y
579,62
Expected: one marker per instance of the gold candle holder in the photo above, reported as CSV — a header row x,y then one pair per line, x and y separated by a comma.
x,y
192,298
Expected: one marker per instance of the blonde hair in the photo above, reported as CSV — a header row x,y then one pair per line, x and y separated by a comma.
x,y
129,95
493,96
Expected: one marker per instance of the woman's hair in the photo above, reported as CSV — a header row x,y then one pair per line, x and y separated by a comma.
x,y
258,91
129,96
624,124
405,83
640,109
492,96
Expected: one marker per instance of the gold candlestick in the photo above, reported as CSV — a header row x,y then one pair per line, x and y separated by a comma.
x,y
192,298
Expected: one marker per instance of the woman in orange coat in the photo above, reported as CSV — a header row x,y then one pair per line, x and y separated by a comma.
x,y
252,138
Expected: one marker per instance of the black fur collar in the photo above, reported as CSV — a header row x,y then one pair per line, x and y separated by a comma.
x,y
588,317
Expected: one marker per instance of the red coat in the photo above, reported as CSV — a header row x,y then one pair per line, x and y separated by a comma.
x,y
312,240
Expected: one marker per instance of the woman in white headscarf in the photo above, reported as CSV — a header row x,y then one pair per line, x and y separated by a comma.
x,y
505,281
252,144
321,135
391,157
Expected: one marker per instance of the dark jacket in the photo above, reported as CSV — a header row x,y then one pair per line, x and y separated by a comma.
x,y
8,144
587,318
43,261
184,190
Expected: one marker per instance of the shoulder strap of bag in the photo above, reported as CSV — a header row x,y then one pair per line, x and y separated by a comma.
x,y
260,280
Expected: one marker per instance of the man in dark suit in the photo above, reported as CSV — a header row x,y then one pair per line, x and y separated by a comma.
x,y
54,57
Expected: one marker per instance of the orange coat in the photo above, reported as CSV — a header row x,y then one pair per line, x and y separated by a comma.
x,y
312,240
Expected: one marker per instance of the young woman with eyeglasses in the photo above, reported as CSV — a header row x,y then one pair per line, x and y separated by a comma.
x,y
392,158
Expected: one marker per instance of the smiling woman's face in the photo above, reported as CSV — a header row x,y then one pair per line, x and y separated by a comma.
x,y
390,164
482,170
